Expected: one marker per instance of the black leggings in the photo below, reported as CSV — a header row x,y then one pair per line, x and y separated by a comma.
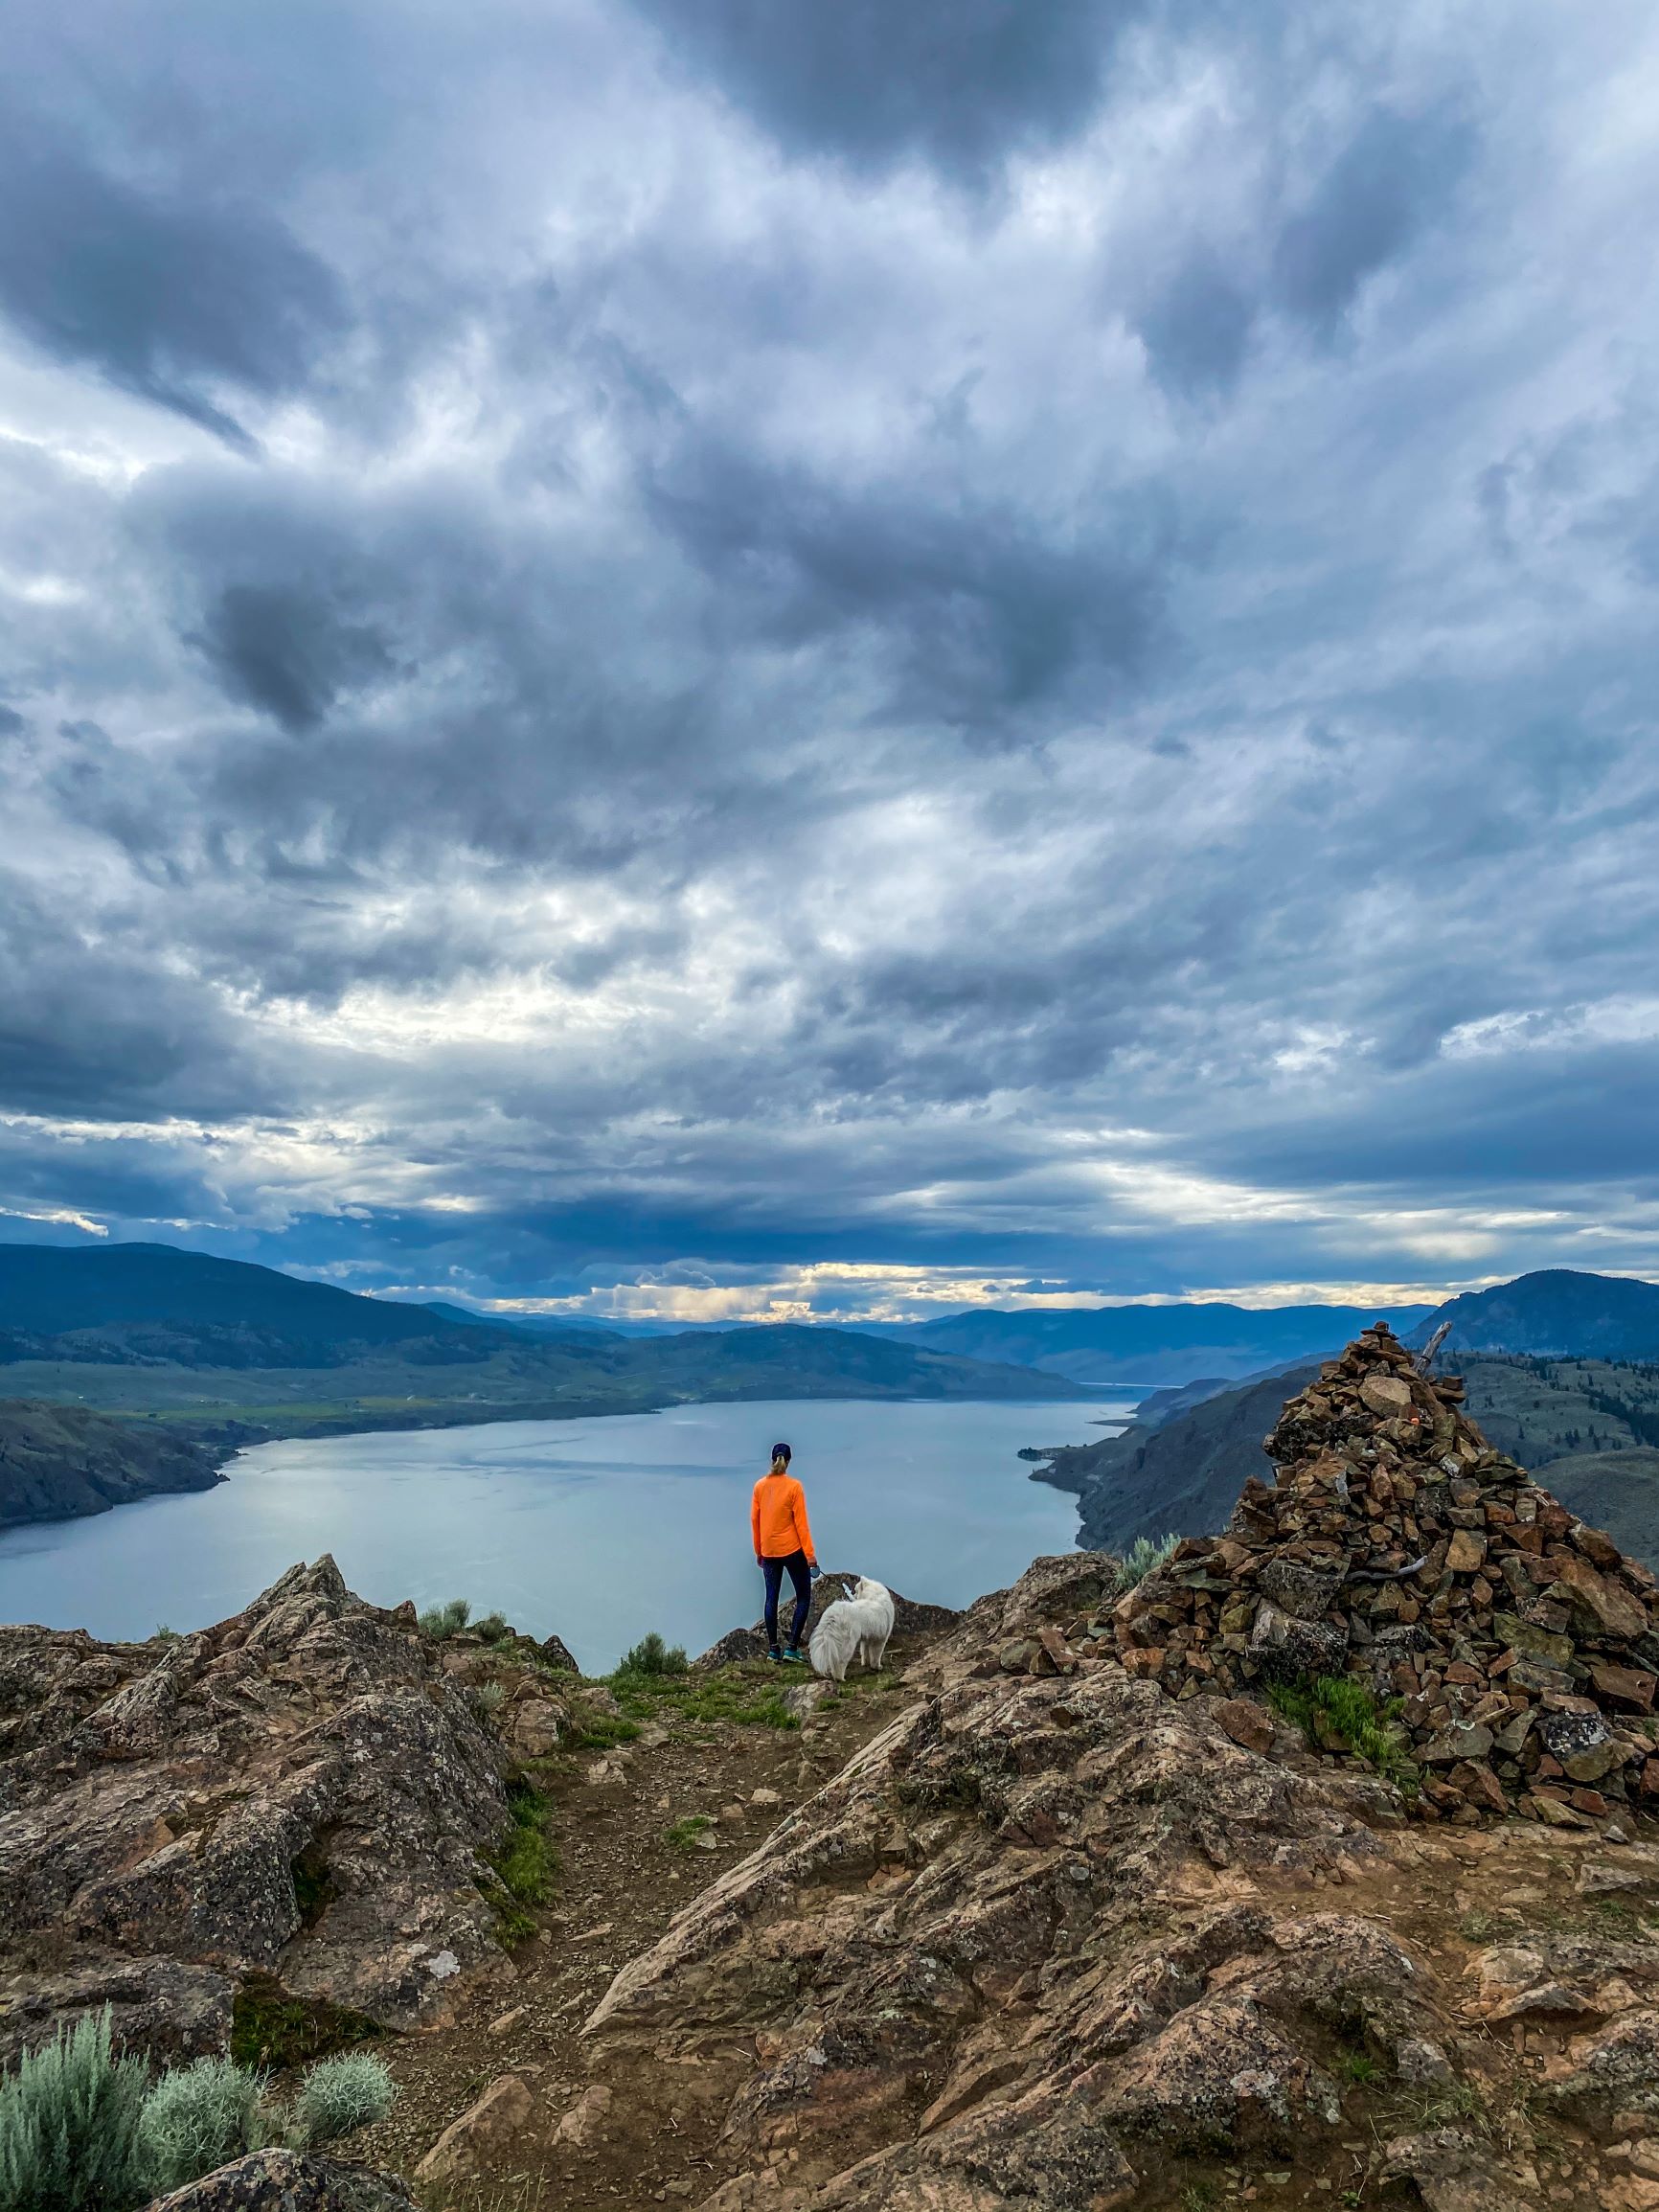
x,y
800,1575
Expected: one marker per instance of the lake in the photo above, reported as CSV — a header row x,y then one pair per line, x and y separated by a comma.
x,y
598,1529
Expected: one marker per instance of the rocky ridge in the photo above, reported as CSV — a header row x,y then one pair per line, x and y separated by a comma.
x,y
1057,1941
1397,1546
302,1792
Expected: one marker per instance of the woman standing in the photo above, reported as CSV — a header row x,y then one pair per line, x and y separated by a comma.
x,y
784,1542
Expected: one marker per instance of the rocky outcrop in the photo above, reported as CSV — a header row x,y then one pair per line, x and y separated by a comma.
x,y
910,1618
59,1462
1057,1941
300,1793
1397,1546
289,2181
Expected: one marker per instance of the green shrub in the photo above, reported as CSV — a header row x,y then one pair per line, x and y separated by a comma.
x,y
493,1628
650,1656
1337,1712
1140,1558
524,1864
686,1834
489,1696
339,2096
441,1621
69,2120
197,2118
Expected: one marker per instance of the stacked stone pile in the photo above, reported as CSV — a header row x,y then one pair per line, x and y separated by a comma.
x,y
1398,1546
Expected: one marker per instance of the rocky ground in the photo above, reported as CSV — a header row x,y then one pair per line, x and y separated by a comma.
x,y
1020,1926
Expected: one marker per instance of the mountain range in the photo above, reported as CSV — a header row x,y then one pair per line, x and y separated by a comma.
x,y
213,1354
1151,1344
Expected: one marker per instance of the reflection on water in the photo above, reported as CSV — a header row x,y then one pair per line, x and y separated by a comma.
x,y
599,1529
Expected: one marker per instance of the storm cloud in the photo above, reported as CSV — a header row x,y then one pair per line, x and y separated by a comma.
x,y
739,658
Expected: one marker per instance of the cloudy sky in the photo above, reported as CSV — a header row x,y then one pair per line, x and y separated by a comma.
x,y
750,656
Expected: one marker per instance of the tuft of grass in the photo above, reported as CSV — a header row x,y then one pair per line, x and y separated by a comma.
x,y
489,1696
495,1627
1339,1707
166,1635
1440,2105
440,1622
270,2028
650,1656
339,2096
1358,2066
749,1699
524,1864
69,2122
1144,1554
684,1833
599,1731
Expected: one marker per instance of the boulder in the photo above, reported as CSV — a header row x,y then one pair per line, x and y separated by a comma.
x,y
485,2136
1000,1902
156,2007
289,2181
299,1791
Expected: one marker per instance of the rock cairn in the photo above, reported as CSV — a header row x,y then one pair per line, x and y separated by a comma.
x,y
1397,1546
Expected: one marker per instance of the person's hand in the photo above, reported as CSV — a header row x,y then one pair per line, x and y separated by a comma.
x,y
760,1563
817,1570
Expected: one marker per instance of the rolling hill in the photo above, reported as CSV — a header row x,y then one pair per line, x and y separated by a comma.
x,y
1554,1311
59,1462
1152,1344
218,1352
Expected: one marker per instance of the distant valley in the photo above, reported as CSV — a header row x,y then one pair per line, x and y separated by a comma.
x,y
185,1356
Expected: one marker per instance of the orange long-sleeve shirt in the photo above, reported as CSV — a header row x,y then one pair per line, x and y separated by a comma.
x,y
778,1519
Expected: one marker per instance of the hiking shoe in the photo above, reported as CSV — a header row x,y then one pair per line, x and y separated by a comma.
x,y
793,1654
774,1654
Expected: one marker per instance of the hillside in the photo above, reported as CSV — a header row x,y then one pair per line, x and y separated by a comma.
x,y
59,1462
1179,1470
1554,1311
204,1343
1150,1344
142,1303
1007,1927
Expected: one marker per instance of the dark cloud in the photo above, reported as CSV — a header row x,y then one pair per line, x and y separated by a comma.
x,y
981,615
288,652
750,714
183,302
957,82
1396,174
1198,327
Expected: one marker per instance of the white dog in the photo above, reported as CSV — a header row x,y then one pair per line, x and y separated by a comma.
x,y
855,1627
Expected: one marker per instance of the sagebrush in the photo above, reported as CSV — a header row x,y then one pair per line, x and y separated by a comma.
x,y
198,2117
69,2125
83,2130
1144,1554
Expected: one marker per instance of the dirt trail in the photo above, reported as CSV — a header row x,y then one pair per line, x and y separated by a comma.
x,y
623,1874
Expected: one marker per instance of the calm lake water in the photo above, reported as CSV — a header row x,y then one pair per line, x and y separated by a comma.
x,y
599,1529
